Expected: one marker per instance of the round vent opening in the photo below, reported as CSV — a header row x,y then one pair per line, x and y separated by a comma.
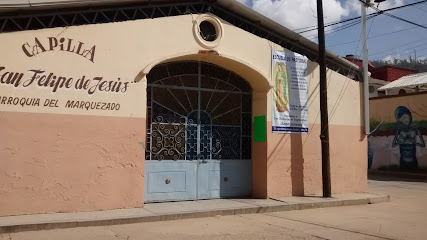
x,y
208,31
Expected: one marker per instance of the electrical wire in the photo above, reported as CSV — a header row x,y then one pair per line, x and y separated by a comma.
x,y
350,19
331,24
277,8
343,27
377,53
393,16
390,15
398,52
404,20
347,83
376,36
349,25
356,21
419,8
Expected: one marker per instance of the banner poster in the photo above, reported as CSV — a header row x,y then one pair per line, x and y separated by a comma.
x,y
290,95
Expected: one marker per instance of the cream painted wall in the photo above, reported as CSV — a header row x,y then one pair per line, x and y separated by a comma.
x,y
344,98
125,49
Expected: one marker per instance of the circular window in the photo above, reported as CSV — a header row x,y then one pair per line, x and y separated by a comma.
x,y
371,89
208,31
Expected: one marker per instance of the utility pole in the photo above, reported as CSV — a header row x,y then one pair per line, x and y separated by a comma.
x,y
365,67
324,131
415,64
365,4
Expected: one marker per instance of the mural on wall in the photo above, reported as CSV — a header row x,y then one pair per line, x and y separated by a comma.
x,y
400,132
407,138
370,148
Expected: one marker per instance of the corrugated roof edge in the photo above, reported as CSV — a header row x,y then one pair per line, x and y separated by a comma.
x,y
11,5
413,80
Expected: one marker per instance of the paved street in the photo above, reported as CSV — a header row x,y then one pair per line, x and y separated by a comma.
x,y
402,218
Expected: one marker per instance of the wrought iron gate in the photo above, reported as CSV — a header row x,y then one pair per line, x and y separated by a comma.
x,y
198,133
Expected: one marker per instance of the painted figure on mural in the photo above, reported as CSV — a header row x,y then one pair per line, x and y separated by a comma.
x,y
370,147
281,76
407,137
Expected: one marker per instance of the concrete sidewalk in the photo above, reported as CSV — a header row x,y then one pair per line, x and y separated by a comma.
x,y
180,210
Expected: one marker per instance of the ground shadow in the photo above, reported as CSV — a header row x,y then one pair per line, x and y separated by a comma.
x,y
392,177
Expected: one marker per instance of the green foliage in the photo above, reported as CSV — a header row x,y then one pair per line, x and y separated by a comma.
x,y
386,129
390,128
420,124
420,65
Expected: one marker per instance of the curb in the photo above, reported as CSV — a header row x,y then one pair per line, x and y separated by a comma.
x,y
190,215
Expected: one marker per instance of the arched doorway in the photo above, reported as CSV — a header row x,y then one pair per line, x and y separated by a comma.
x,y
199,125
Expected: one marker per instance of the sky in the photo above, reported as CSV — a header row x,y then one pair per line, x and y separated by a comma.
x,y
388,38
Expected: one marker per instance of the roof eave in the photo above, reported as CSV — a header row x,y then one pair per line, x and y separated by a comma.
x,y
272,26
297,42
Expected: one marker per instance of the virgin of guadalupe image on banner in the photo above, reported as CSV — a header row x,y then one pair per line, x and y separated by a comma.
x,y
280,94
290,91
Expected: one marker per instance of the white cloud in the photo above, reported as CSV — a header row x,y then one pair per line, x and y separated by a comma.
x,y
391,58
296,13
400,55
355,7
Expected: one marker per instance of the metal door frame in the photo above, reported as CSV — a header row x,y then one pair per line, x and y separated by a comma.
x,y
187,123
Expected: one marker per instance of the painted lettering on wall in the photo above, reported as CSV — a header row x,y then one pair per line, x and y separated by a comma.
x,y
55,82
55,103
33,48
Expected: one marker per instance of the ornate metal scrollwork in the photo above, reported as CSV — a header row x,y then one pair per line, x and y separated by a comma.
x,y
168,142
212,121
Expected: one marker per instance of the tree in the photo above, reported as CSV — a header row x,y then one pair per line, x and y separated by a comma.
x,y
420,64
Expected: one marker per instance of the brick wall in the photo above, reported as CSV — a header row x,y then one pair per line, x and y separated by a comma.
x,y
390,74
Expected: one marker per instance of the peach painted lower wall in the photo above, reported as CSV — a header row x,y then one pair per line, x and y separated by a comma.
x,y
259,170
294,162
66,163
